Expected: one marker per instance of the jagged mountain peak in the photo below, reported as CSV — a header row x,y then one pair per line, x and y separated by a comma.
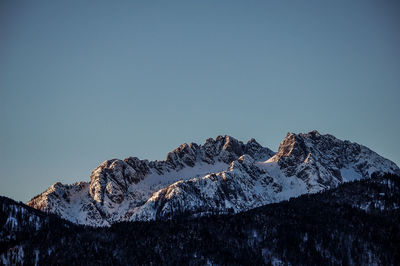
x,y
299,146
327,159
313,134
223,148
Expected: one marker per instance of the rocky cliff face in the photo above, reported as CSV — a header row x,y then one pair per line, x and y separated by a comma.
x,y
222,175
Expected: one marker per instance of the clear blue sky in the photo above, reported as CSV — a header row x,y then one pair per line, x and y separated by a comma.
x,y
86,81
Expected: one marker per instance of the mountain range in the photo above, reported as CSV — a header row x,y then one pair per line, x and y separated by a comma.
x,y
221,176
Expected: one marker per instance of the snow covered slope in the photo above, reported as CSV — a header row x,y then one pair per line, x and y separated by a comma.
x,y
118,187
222,175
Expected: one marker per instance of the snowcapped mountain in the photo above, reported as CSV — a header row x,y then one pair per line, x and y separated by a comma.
x,y
304,163
118,187
222,175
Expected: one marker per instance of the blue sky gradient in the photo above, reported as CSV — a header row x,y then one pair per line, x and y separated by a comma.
x,y
86,81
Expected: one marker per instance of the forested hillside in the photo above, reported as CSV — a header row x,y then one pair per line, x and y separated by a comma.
x,y
355,223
